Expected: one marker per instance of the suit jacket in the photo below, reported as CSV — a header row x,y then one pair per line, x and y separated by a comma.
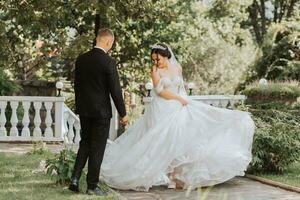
x,y
96,79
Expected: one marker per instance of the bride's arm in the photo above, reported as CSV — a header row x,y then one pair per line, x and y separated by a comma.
x,y
164,93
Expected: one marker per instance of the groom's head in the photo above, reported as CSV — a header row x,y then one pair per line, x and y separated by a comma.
x,y
105,38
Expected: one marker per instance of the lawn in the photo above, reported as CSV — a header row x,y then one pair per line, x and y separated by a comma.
x,y
291,176
19,180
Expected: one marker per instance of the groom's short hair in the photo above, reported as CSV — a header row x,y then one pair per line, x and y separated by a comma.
x,y
105,32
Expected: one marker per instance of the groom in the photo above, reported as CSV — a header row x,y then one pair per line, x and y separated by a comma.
x,y
96,79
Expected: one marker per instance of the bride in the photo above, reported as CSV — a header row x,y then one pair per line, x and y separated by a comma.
x,y
178,140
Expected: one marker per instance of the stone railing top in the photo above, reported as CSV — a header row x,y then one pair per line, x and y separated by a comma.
x,y
32,98
67,109
209,97
219,97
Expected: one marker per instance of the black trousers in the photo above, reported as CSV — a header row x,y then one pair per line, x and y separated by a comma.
x,y
94,134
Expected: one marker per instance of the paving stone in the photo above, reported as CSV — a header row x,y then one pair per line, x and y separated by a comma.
x,y
239,188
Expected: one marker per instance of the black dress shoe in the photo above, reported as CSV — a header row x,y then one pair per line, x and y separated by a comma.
x,y
97,191
74,185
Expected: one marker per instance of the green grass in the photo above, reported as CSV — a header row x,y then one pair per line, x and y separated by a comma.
x,y
19,182
291,176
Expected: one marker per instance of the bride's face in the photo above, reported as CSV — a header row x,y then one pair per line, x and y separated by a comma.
x,y
159,61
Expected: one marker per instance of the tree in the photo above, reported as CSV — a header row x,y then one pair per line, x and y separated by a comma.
x,y
220,50
280,60
67,29
263,13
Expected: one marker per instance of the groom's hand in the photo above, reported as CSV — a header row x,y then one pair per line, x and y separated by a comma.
x,y
124,121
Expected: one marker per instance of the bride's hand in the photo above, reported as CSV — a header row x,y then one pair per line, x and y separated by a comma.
x,y
183,101
154,68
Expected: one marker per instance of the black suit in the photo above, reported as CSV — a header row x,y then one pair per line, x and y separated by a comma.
x,y
96,79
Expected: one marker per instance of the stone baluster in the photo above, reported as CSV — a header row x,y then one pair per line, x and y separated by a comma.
x,y
48,120
223,103
26,120
71,122
215,102
37,132
60,130
66,117
14,118
232,102
77,129
209,102
3,131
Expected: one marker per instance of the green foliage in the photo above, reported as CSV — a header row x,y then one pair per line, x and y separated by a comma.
x,y
70,102
219,49
272,105
189,27
280,54
284,92
60,167
7,87
39,148
263,14
276,141
290,176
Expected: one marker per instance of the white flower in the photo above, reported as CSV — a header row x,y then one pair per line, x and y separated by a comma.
x,y
291,53
43,166
15,32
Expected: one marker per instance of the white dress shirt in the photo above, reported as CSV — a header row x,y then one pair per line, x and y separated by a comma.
x,y
100,48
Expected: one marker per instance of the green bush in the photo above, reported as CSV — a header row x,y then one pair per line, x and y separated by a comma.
x,y
273,105
276,141
70,102
60,167
280,58
7,87
281,92
39,148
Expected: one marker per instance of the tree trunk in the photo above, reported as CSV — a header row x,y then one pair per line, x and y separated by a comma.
x,y
283,5
101,19
97,26
263,17
275,11
291,8
253,13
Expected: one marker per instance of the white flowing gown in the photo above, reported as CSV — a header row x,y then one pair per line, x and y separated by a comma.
x,y
204,145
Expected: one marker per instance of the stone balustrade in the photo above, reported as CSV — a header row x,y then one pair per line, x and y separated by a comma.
x,y
31,118
36,118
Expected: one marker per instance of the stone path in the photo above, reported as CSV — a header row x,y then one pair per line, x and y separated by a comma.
x,y
239,188
22,148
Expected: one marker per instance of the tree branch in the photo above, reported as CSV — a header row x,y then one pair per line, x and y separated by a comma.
x,y
291,8
253,13
263,17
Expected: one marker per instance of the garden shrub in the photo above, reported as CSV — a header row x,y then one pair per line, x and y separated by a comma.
x,y
60,167
276,141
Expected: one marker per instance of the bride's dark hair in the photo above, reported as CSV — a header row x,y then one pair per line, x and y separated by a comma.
x,y
161,49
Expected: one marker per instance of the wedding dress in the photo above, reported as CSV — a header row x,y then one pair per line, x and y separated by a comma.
x,y
202,144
